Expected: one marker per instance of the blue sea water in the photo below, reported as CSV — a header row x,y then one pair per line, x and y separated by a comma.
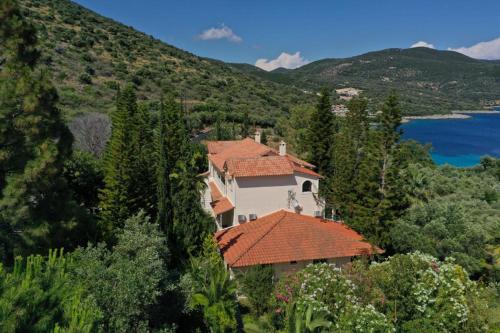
x,y
459,142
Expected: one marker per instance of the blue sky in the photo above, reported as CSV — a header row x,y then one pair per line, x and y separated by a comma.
x,y
245,31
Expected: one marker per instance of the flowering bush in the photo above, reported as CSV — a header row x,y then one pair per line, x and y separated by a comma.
x,y
422,293
323,288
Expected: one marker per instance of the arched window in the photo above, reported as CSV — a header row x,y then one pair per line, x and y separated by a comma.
x,y
306,186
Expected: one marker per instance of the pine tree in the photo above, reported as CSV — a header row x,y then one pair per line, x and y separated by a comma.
x,y
36,210
164,216
350,145
117,198
321,133
145,165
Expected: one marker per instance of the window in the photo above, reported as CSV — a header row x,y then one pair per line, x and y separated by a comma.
x,y
318,261
306,186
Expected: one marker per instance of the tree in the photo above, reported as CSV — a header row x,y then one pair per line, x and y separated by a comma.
x,y
144,163
39,295
321,135
191,223
419,292
350,150
164,215
127,281
256,283
85,177
211,289
179,186
92,132
36,210
129,167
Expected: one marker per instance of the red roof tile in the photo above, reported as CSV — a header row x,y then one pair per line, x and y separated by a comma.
x,y
241,156
221,206
214,191
260,166
307,171
284,236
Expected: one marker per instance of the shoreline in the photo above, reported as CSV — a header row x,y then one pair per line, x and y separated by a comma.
x,y
465,114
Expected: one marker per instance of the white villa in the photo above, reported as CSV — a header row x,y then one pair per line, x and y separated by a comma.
x,y
267,209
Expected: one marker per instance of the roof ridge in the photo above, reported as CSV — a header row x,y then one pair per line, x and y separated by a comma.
x,y
260,238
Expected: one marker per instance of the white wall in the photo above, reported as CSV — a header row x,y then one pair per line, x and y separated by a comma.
x,y
282,269
265,195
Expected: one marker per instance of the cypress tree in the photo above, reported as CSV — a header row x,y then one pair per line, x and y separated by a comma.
x,y
164,215
117,198
36,210
145,165
321,135
350,145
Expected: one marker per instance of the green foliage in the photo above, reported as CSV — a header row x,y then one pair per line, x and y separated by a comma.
x,y
39,295
366,187
85,176
295,129
211,289
419,292
454,213
321,292
257,283
320,135
128,280
36,210
129,168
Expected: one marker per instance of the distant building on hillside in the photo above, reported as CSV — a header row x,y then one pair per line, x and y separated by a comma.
x,y
267,209
348,93
339,110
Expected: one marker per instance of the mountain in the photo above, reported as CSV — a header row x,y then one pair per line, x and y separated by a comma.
x,y
428,81
90,56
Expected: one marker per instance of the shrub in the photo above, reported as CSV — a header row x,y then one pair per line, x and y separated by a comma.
x,y
257,285
85,78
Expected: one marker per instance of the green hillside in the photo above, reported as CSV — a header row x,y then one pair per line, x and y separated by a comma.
x,y
429,81
90,55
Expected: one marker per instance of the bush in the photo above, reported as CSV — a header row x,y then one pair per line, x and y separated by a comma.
x,y
257,285
40,296
85,78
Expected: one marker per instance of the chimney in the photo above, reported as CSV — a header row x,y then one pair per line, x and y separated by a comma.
x,y
282,148
257,137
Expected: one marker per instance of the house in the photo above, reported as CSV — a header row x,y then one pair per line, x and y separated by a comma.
x,y
267,209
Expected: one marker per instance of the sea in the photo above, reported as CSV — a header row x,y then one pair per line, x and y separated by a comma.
x,y
458,142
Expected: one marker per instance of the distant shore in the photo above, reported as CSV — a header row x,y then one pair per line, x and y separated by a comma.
x,y
463,114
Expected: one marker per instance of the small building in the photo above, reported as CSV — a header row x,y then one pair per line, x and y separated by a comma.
x,y
339,110
289,242
247,179
268,212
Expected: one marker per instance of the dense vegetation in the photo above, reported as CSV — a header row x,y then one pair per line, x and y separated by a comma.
x,y
139,255
90,56
428,81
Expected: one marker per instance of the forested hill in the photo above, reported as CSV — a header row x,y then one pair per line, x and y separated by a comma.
x,y
89,55
428,81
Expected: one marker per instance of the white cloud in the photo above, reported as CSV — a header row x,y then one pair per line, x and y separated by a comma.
x,y
423,44
224,32
489,50
284,60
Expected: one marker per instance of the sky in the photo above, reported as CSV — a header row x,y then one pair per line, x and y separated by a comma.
x,y
279,33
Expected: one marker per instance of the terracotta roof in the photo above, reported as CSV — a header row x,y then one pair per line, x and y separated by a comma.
x,y
241,156
221,206
214,191
285,236
260,166
300,169
215,147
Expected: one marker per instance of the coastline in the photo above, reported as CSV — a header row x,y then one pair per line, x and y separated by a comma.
x,y
464,114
